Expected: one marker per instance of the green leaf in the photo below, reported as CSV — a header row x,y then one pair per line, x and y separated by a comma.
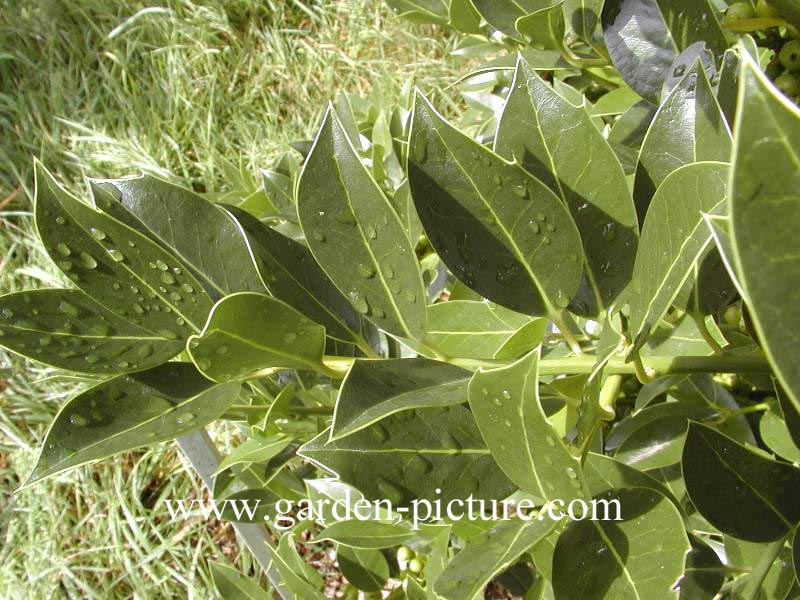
x,y
375,389
545,26
689,127
411,454
421,11
717,470
279,188
356,236
129,274
365,569
583,17
796,554
204,237
509,414
641,556
628,133
765,218
779,578
69,330
467,575
503,16
790,415
233,585
291,274
615,102
464,17
549,136
254,449
366,534
285,560
604,474
704,574
674,238
129,411
229,347
775,435
472,329
644,37
498,229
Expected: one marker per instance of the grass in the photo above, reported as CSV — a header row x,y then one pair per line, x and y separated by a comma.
x,y
110,88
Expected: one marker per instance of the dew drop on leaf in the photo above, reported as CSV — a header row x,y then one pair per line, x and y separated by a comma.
x,y
78,420
144,351
506,394
290,337
61,220
371,232
318,235
88,260
63,249
167,278
97,234
366,271
116,255
68,309
222,350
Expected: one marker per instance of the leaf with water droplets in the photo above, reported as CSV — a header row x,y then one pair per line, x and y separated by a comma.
x,y
130,288
411,454
739,492
129,411
358,533
667,255
467,575
640,556
644,37
472,329
375,389
525,444
203,236
549,137
765,219
233,585
230,347
291,274
507,248
689,127
69,330
356,236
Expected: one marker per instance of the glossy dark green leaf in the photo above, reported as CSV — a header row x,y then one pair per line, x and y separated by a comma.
x,y
129,274
466,576
644,37
627,134
764,218
374,389
69,330
689,127
356,236
667,253
291,274
509,414
790,414
365,569
641,556
366,534
499,230
604,474
464,17
681,338
421,11
728,86
233,585
230,347
503,16
129,411
472,329
704,574
777,583
544,27
656,443
583,17
410,454
549,136
796,554
739,492
279,188
623,429
206,239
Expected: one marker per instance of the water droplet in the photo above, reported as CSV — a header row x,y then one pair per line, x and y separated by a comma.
x,y
290,337
609,233
547,459
546,240
521,191
203,364
507,423
134,289
116,255
97,234
180,321
389,272
378,312
541,217
359,302
63,249
8,313
497,401
144,351
167,278
176,297
88,260
161,265
410,296
366,271
78,420
345,217
187,288
371,232
185,418
68,309
418,465
99,329
318,235
92,358
64,265
534,226
497,179
506,394
123,364
45,340
679,71
571,473
551,441
61,220
550,227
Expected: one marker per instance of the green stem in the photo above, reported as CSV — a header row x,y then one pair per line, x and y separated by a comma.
x,y
563,327
709,339
770,553
761,407
643,374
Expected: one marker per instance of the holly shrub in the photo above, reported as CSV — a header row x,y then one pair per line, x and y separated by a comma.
x,y
580,280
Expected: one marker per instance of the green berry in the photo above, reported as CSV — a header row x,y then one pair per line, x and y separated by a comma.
x,y
403,553
788,84
790,55
415,565
765,11
733,315
739,11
